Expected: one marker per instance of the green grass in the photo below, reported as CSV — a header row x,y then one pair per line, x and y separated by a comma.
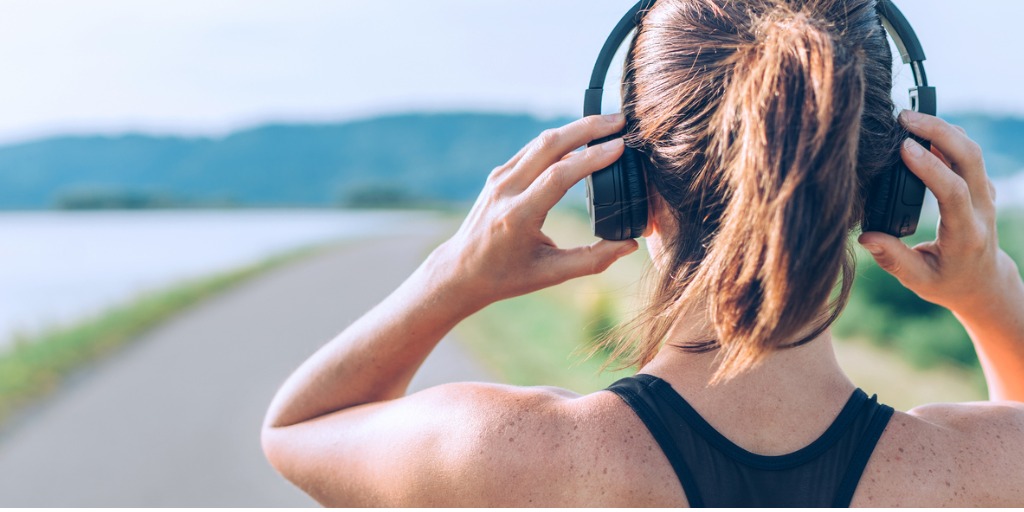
x,y
541,338
35,366
533,340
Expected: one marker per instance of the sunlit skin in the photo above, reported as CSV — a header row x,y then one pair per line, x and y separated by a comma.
x,y
342,430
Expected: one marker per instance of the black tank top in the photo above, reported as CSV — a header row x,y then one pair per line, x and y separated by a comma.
x,y
715,472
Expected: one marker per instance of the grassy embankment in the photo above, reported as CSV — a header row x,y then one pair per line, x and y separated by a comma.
x,y
36,365
538,339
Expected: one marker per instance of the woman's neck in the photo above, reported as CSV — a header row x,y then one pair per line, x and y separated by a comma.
x,y
782,372
777,407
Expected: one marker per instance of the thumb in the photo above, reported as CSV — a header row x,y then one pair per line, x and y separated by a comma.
x,y
893,256
594,258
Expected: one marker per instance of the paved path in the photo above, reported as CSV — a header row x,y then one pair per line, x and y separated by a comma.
x,y
174,419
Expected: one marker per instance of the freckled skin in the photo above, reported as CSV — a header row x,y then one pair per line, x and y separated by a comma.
x,y
550,455
949,463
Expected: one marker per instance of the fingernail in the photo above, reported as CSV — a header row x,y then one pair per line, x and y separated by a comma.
x,y
612,145
627,249
614,118
873,249
909,115
913,147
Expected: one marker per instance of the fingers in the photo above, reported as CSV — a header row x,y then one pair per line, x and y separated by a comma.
x,y
554,144
953,142
906,264
552,185
937,153
961,153
514,161
950,190
590,259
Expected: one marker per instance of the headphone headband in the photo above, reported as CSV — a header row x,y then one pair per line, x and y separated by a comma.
x,y
617,194
896,25
592,100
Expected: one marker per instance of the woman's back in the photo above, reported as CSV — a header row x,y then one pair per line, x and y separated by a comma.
x,y
715,472
553,449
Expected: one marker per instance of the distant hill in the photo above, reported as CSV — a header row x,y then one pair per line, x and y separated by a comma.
x,y
405,158
1001,138
431,157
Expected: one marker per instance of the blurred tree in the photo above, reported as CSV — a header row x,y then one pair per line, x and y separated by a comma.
x,y
379,195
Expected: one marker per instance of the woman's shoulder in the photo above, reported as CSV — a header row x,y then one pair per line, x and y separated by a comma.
x,y
546,446
971,416
473,444
951,454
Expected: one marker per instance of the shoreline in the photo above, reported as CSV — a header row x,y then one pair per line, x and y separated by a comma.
x,y
35,367
59,268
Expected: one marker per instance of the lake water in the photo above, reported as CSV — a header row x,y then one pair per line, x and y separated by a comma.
x,y
57,267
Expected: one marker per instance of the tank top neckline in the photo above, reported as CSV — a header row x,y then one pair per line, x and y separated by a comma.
x,y
768,462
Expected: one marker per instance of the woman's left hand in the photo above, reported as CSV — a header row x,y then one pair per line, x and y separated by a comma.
x,y
500,251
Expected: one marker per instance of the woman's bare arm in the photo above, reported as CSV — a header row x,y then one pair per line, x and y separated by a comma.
x,y
996,327
499,252
964,269
322,411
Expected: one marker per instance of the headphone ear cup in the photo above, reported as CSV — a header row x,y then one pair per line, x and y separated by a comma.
x,y
894,202
878,207
634,204
617,198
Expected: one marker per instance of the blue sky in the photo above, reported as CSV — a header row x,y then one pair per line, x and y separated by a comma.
x,y
211,66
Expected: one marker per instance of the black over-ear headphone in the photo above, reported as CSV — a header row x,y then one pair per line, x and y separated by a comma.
x,y
617,194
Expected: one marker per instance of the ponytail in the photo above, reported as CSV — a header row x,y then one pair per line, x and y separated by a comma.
x,y
786,137
762,120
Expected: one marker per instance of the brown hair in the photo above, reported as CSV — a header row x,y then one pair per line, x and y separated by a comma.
x,y
763,120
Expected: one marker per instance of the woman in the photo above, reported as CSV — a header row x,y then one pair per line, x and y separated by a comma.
x,y
761,121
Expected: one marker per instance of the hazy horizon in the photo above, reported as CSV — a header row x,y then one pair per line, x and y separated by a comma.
x,y
118,132
209,68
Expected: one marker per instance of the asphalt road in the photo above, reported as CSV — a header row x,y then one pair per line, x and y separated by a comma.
x,y
174,419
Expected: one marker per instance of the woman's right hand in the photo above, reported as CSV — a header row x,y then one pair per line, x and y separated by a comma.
x,y
963,269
